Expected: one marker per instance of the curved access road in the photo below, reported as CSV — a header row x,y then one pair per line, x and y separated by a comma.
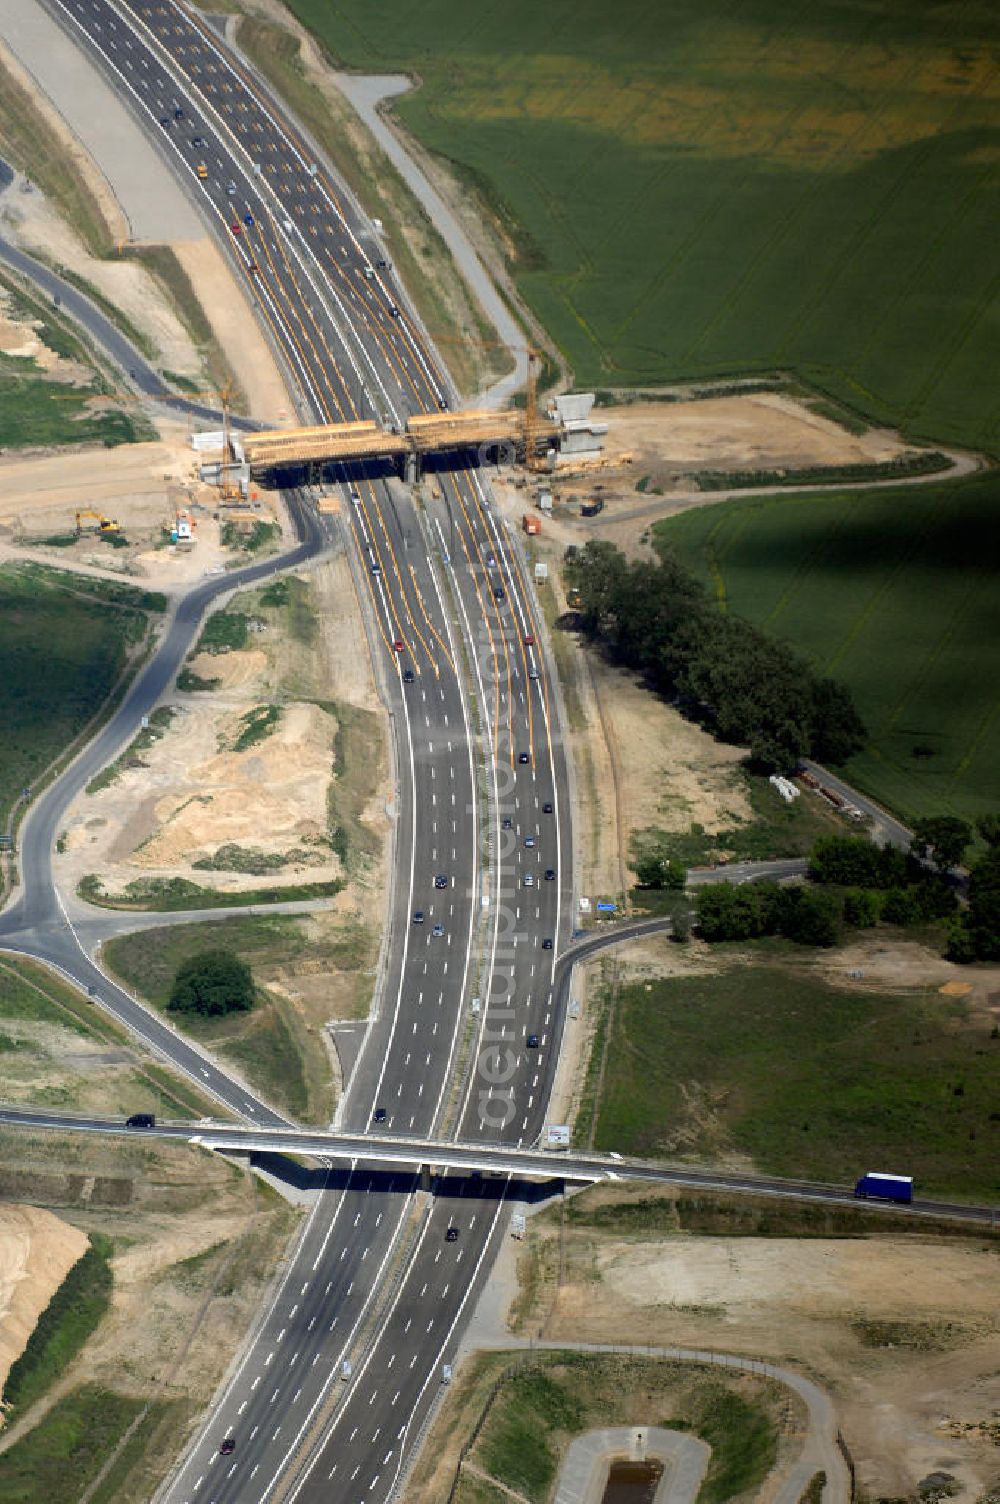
x,y
99,329
820,1452
36,923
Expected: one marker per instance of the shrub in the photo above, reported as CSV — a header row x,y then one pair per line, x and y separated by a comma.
x,y
212,983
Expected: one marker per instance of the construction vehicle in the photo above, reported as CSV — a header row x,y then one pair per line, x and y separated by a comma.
x,y
104,524
182,530
532,526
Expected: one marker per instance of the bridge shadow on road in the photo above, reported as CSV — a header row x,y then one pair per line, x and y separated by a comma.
x,y
486,1187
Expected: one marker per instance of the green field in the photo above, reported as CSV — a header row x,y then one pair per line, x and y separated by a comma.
x,y
64,646
700,189
893,591
64,1453
809,1080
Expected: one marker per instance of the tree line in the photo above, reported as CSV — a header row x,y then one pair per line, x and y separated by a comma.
x,y
749,688
855,885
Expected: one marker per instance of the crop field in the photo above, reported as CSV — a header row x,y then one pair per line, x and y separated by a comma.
x,y
62,651
700,189
893,591
769,1060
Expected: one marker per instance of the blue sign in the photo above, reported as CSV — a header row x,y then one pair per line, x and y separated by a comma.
x,y
607,908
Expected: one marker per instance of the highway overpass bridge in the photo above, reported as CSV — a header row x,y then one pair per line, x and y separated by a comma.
x,y
423,435
435,1155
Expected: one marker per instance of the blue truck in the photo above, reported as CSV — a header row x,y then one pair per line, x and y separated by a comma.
x,y
885,1187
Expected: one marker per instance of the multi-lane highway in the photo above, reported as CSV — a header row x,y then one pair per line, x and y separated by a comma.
x,y
467,1031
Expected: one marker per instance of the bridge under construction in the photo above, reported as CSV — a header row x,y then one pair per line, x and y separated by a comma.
x,y
424,435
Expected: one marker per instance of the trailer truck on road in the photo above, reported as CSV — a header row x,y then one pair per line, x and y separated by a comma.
x,y
885,1187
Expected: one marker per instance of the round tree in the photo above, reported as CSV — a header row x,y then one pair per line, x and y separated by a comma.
x,y
212,983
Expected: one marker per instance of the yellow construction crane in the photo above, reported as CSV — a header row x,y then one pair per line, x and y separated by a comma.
x,y
531,455
104,524
227,491
531,423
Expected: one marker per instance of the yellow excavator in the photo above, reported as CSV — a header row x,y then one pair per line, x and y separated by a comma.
x,y
104,524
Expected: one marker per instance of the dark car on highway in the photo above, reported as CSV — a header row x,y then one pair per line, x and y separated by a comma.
x,y
380,1114
141,1120
228,1447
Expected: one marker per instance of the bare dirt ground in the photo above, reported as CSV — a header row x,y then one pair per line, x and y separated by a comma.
x,y
192,792
140,485
663,444
32,223
759,431
227,308
197,1241
882,962
37,1251
19,337
901,1330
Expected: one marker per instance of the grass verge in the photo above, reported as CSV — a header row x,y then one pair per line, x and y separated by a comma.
x,y
44,1073
528,1413
280,1053
32,145
63,1454
174,895
717,1215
